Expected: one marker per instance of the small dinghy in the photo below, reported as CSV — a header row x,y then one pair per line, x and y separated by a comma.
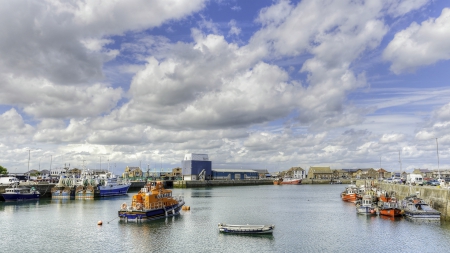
x,y
246,229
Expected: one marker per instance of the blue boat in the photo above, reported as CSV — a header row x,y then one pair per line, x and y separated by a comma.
x,y
17,193
110,186
152,202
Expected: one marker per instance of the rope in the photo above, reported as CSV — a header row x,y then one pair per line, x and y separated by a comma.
x,y
113,219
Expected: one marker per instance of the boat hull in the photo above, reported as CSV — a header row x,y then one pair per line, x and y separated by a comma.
x,y
118,190
151,214
366,210
422,216
292,181
21,197
246,229
350,197
393,212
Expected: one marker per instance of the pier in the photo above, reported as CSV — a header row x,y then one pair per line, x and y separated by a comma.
x,y
437,197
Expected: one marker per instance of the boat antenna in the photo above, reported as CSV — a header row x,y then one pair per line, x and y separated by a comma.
x,y
28,165
437,152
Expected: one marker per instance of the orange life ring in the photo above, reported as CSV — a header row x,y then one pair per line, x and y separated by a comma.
x,y
138,206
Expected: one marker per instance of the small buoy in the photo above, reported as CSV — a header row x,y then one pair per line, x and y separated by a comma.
x,y
100,223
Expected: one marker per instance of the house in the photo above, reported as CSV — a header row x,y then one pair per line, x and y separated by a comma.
x,y
382,173
320,173
341,174
424,172
366,173
298,172
131,172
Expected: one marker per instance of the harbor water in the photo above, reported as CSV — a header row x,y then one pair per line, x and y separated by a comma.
x,y
307,218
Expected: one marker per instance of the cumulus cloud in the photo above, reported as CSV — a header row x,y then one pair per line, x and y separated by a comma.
x,y
42,99
234,30
229,91
420,44
392,138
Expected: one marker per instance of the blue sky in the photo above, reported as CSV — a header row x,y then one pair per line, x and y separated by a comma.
x,y
254,84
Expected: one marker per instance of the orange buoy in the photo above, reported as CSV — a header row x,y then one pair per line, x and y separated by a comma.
x,y
100,223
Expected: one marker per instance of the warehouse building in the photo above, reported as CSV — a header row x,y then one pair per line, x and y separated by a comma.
x,y
196,167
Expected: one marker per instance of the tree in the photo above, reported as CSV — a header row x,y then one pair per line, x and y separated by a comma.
x,y
3,170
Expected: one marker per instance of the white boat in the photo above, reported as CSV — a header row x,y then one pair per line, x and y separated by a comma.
x,y
246,229
366,206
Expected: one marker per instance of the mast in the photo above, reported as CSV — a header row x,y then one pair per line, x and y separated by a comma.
x,y
29,164
437,152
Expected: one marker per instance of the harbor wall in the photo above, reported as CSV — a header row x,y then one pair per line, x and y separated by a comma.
x,y
437,197
211,183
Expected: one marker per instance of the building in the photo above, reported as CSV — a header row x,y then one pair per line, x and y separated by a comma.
x,y
320,173
196,167
132,172
263,173
230,174
367,173
382,173
298,172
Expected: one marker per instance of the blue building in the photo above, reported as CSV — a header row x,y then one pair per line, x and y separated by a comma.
x,y
229,174
196,167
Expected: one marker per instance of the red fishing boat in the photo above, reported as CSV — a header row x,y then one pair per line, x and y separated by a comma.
x,y
390,208
350,194
291,181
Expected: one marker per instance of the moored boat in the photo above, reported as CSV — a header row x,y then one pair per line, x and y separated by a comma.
x,y
390,208
246,229
291,181
152,202
110,186
366,205
18,193
416,209
350,194
277,181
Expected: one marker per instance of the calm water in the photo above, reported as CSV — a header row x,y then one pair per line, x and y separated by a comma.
x,y
308,218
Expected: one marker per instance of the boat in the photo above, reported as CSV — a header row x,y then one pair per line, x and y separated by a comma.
x,y
390,208
246,229
110,186
288,180
366,205
18,193
151,202
277,181
350,194
416,209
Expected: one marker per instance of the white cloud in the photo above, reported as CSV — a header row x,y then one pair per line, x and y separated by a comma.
x,y
401,7
392,138
43,99
234,30
420,45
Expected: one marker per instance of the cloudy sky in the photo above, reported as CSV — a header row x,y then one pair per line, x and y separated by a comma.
x,y
254,84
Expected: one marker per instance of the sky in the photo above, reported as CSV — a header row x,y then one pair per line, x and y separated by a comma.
x,y
254,84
